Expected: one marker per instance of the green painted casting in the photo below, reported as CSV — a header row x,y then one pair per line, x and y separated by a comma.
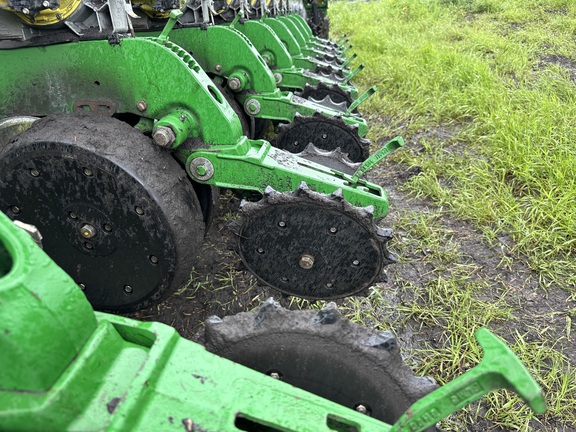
x,y
139,76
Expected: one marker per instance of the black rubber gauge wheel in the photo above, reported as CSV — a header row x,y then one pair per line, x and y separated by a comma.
x,y
116,212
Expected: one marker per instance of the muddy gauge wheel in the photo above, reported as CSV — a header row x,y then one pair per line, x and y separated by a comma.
x,y
116,212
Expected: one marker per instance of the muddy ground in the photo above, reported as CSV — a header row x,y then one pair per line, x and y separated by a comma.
x,y
220,286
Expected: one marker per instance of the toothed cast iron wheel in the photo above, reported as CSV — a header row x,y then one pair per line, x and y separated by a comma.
x,y
311,245
116,212
323,353
326,133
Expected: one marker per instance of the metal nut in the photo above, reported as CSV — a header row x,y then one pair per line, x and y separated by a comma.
x,y
234,84
32,230
306,261
88,231
164,136
278,78
142,105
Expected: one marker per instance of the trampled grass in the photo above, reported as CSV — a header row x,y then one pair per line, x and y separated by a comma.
x,y
487,90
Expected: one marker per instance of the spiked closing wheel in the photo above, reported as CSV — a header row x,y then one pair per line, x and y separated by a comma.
x,y
323,353
116,212
326,133
312,245
332,96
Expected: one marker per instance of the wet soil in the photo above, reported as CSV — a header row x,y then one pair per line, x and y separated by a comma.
x,y
221,286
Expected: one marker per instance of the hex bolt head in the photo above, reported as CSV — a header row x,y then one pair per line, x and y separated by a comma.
x,y
46,4
201,170
164,136
306,261
26,11
88,231
275,375
218,68
15,209
82,286
234,84
128,289
361,409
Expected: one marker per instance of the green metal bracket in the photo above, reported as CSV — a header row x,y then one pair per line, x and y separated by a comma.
x,y
283,106
377,157
499,368
361,99
347,62
354,73
236,19
254,165
174,16
267,43
285,35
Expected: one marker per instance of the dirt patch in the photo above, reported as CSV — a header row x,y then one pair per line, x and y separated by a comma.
x,y
565,62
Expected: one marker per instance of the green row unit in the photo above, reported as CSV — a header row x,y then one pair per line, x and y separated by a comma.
x,y
66,368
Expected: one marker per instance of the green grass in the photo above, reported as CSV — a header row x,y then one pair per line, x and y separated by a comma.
x,y
484,92
485,76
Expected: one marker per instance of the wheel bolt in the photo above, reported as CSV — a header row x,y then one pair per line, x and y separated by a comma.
x,y
88,231
355,263
87,172
333,230
282,224
275,375
107,227
34,173
73,215
15,209
139,210
88,245
153,259
306,261
128,289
